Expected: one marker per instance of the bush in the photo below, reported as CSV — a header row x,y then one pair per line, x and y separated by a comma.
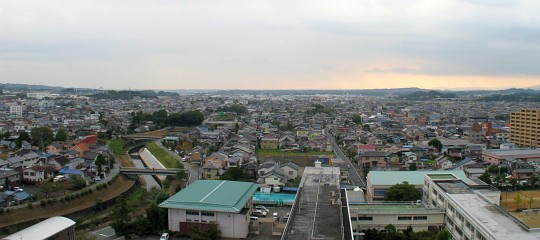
x,y
29,205
2,210
43,203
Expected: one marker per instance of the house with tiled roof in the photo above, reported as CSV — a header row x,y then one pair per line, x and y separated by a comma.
x,y
203,204
38,173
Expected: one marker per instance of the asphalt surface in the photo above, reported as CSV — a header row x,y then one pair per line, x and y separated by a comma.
x,y
344,163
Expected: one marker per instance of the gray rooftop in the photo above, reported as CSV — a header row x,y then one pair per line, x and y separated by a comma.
x,y
391,178
497,224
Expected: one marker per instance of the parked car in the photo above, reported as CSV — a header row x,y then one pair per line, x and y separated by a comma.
x,y
164,236
18,189
255,218
261,207
259,213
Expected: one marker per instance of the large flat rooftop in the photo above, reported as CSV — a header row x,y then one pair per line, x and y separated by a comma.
x,y
316,215
392,209
497,224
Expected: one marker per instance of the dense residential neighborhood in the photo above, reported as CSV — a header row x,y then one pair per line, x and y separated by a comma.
x,y
265,154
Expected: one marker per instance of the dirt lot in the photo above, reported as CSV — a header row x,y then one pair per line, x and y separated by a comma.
x,y
59,208
530,219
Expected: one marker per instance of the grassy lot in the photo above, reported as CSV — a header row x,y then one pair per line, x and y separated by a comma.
x,y
162,156
531,220
117,147
157,133
279,153
62,208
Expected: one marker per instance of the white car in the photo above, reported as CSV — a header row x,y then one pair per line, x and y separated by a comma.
x,y
18,189
164,236
261,207
259,213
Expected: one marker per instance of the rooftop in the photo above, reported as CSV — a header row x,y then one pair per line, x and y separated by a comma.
x,y
513,152
212,195
497,224
454,187
401,208
43,229
391,178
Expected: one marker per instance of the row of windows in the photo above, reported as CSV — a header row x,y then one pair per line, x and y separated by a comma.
x,y
208,214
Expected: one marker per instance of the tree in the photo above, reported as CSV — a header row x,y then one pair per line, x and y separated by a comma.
x,y
157,217
23,136
233,174
530,200
443,235
61,135
402,192
357,119
366,127
485,177
435,143
100,161
412,167
518,199
42,136
120,213
77,182
207,234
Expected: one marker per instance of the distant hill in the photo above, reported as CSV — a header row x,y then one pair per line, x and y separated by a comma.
x,y
27,87
426,95
512,97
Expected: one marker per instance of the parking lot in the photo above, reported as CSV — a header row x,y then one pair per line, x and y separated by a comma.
x,y
266,224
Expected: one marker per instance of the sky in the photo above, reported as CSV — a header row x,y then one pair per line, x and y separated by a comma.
x,y
255,44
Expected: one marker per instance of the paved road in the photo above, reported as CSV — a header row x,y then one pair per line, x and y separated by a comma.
x,y
344,163
106,233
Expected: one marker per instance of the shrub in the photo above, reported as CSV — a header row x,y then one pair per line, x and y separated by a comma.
x,y
43,203
29,205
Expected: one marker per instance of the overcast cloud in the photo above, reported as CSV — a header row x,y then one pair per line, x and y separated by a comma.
x,y
271,44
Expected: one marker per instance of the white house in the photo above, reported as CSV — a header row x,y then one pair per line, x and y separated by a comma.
x,y
207,203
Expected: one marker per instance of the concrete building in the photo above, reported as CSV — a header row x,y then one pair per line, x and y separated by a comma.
x,y
316,211
16,109
205,203
401,215
524,127
472,210
378,182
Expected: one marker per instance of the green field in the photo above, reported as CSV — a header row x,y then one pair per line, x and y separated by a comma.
x,y
162,156
117,146
279,153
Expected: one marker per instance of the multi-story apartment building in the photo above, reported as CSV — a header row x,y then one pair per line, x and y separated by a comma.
x,y
472,210
525,127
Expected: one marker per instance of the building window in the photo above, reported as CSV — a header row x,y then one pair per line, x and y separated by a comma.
x,y
192,213
408,218
208,214
420,217
354,219
364,218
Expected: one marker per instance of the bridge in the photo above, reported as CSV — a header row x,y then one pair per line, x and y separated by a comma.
x,y
150,171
